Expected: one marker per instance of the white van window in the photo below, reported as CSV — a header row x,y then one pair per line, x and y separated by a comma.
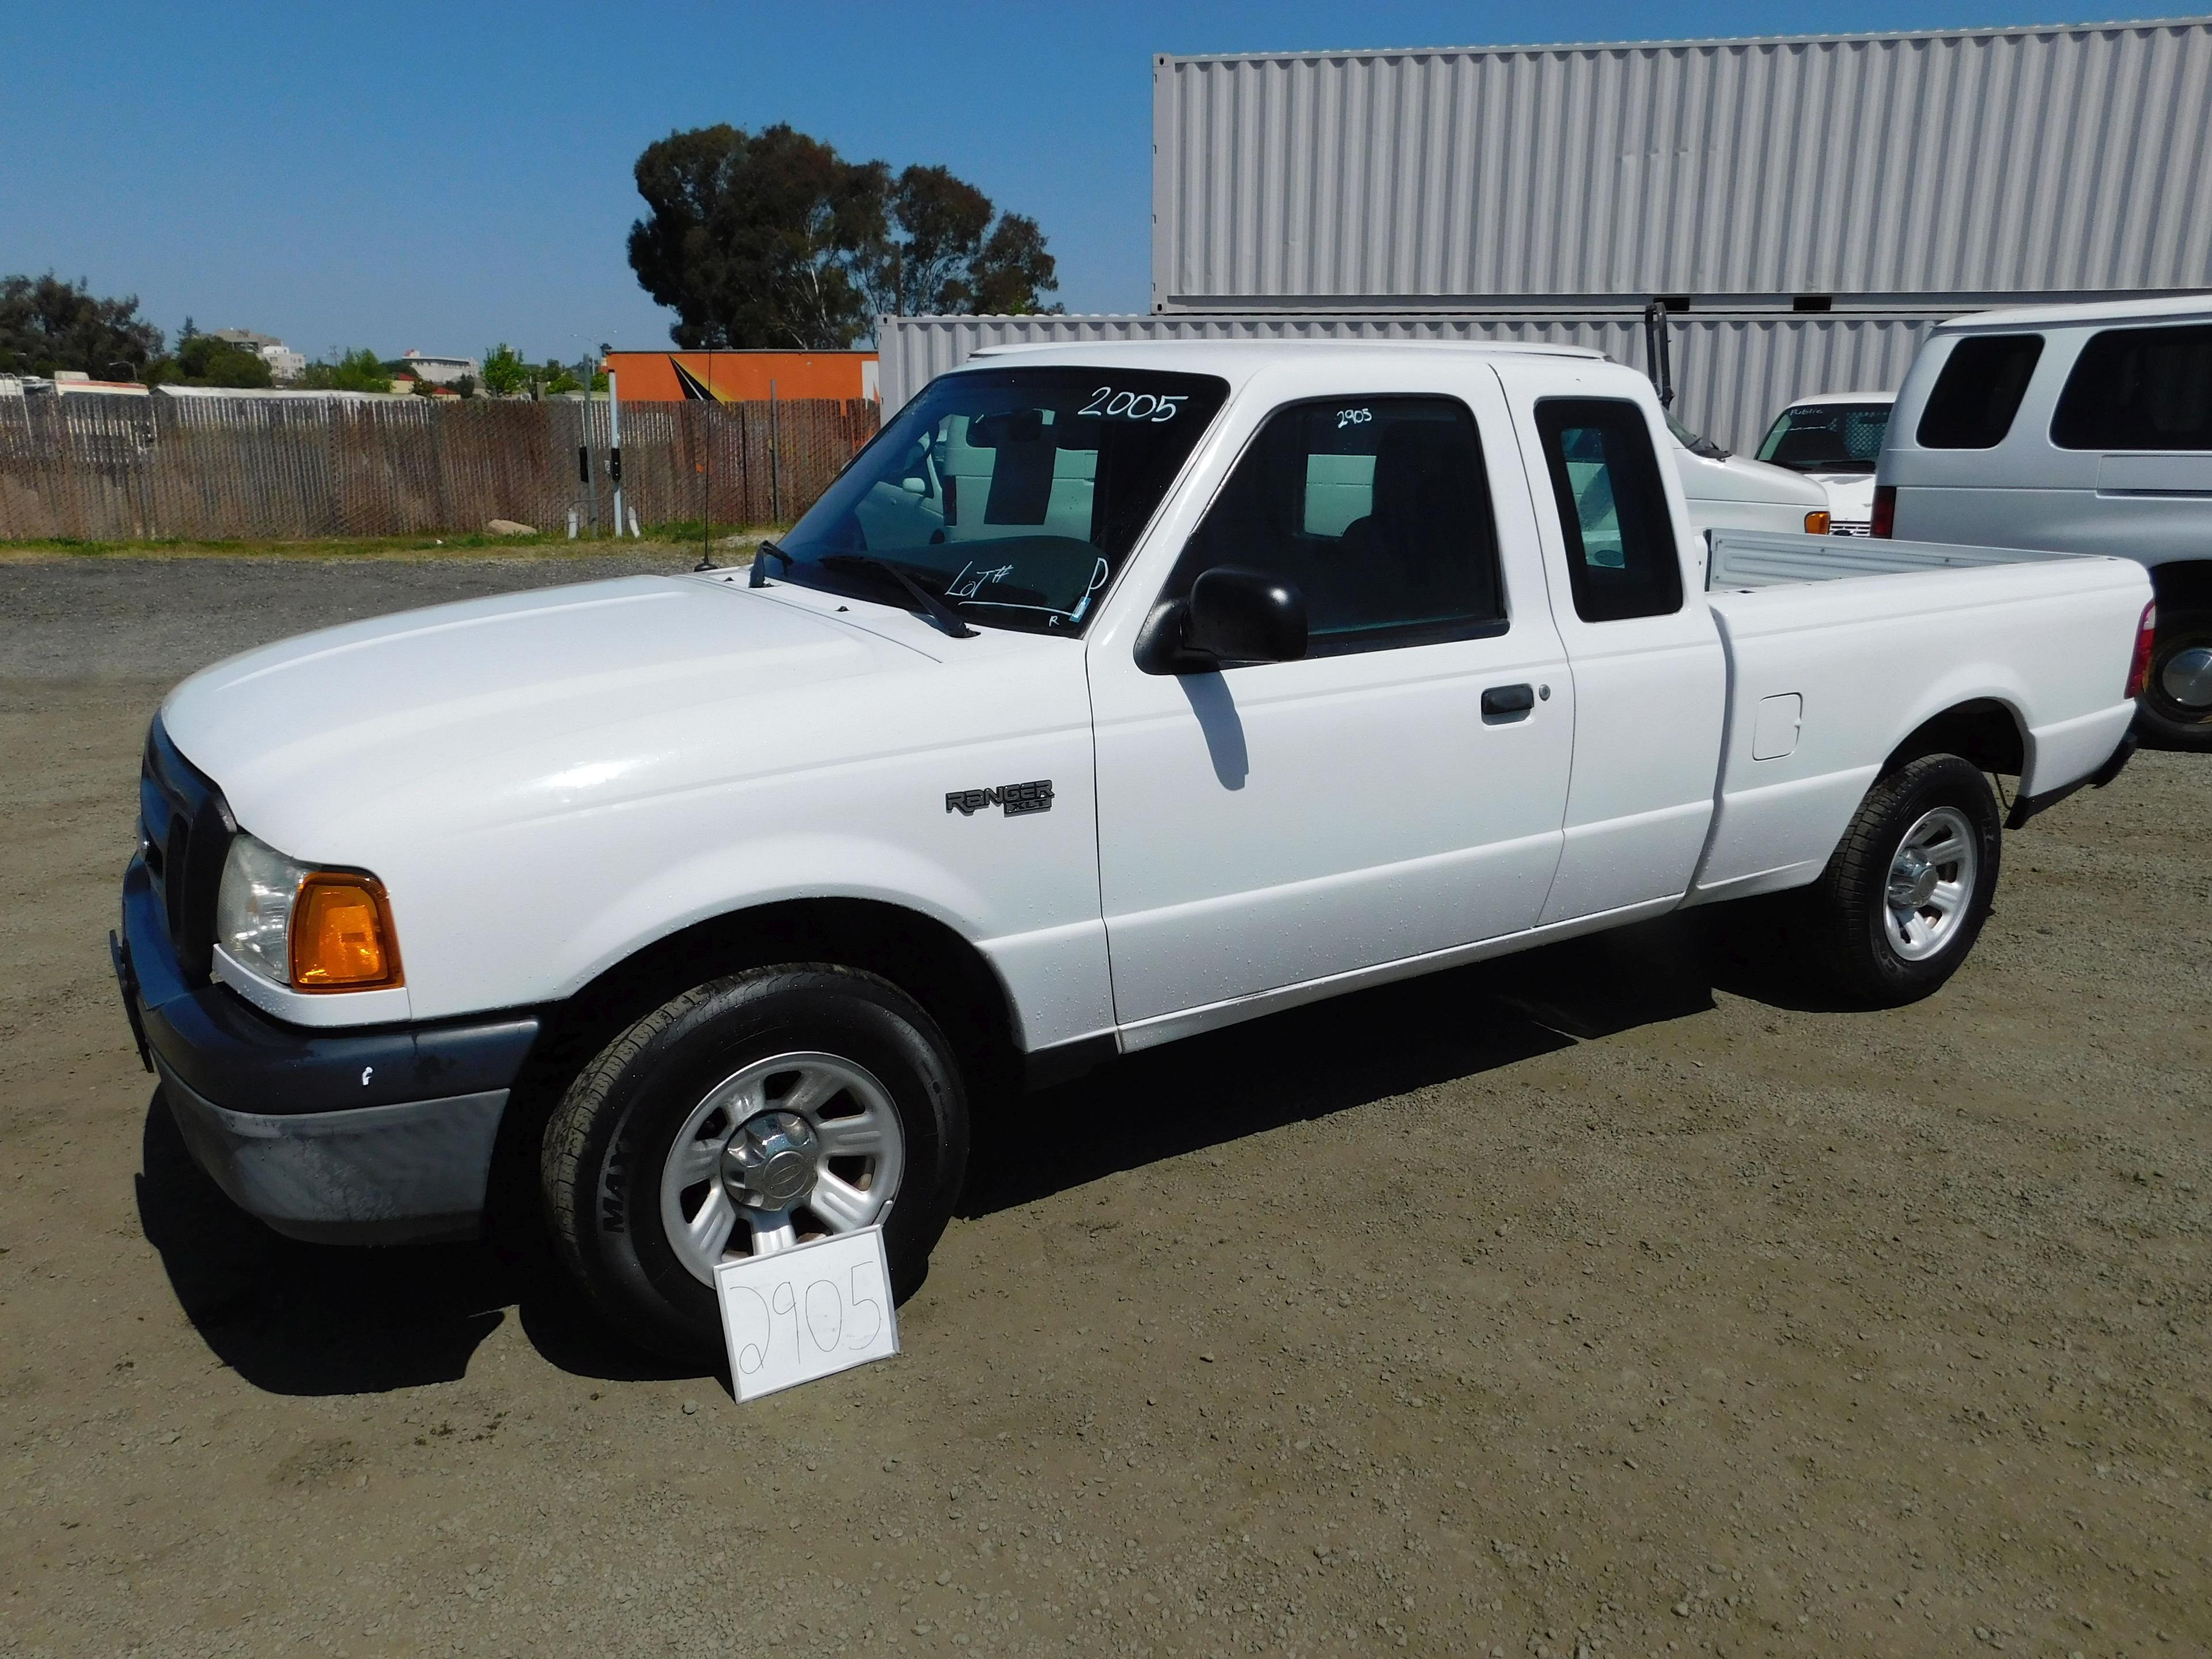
x,y
2139,388
1979,392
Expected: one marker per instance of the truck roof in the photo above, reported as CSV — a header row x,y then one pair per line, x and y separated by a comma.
x,y
1236,359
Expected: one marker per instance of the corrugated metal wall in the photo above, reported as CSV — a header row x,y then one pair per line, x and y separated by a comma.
x,y
1733,372
1968,166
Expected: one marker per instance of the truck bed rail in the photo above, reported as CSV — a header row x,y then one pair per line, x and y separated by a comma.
x,y
1752,558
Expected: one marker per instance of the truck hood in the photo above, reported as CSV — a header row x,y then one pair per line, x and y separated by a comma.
x,y
494,711
1739,478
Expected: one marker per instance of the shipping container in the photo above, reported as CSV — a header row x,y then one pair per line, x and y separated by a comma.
x,y
1733,372
1877,172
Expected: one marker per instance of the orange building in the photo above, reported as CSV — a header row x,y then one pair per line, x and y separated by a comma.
x,y
741,376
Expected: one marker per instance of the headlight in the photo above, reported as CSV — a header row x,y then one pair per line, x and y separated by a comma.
x,y
314,930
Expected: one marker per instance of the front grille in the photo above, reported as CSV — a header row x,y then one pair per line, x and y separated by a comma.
x,y
1850,526
185,827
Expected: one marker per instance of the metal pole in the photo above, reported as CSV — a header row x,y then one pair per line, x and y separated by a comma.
x,y
589,473
774,470
614,448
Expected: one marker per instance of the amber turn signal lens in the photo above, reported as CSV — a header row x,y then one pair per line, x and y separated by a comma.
x,y
1816,524
341,936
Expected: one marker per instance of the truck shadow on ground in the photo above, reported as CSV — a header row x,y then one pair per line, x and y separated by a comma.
x,y
307,1319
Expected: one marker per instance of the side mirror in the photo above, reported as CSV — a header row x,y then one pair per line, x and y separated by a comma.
x,y
1233,615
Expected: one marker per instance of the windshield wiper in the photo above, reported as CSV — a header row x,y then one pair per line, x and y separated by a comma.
x,y
767,550
933,605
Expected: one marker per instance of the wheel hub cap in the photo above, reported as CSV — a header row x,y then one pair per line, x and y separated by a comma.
x,y
1912,882
2187,676
769,1163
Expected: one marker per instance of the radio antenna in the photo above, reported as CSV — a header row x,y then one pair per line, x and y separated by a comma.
x,y
707,507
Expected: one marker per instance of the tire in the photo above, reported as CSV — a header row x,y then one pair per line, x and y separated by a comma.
x,y
2175,710
1883,955
856,1061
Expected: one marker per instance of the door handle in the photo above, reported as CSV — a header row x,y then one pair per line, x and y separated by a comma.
x,y
1507,702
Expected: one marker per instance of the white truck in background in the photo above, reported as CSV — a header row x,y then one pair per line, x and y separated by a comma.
x,y
1115,693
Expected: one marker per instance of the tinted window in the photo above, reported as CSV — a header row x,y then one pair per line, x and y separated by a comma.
x,y
2139,388
1378,508
1979,392
1015,493
1621,558
1826,437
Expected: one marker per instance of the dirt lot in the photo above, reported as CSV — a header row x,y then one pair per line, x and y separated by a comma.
x,y
1620,1298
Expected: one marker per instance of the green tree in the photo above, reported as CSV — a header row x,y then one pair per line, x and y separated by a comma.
x,y
206,360
505,373
47,324
943,253
758,239
358,370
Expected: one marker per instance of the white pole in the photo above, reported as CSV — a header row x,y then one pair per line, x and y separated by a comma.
x,y
614,448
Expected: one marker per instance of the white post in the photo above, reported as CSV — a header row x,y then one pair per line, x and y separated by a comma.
x,y
614,448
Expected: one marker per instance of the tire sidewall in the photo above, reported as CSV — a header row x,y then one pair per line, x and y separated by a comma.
x,y
730,1024
2159,716
1941,781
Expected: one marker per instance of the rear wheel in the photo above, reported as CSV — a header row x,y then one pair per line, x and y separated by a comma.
x,y
2176,706
1905,895
746,1115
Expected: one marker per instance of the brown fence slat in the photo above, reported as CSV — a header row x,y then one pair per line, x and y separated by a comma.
x,y
100,468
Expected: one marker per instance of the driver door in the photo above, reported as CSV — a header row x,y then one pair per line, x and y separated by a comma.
x,y
1397,792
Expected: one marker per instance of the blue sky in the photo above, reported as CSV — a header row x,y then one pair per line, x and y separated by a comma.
x,y
402,176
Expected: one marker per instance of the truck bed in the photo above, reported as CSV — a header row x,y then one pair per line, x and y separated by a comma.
x,y
1824,672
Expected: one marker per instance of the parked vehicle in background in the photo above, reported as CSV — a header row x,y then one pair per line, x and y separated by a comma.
x,y
1834,439
1113,694
1727,491
2086,428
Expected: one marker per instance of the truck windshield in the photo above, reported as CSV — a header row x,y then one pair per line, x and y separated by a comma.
x,y
1826,437
1014,493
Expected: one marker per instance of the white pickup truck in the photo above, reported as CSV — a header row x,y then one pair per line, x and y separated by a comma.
x,y
1112,695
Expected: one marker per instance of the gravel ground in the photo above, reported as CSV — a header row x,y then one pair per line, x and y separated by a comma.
x,y
1623,1297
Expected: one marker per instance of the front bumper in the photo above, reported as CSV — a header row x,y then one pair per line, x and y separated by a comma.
x,y
351,1136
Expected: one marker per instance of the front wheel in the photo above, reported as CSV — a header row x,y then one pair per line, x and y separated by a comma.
x,y
746,1115
1906,893
2175,708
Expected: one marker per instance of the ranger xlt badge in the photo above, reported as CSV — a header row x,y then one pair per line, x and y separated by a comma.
x,y
1013,799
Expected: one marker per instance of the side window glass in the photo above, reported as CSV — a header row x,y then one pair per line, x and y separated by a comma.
x,y
1621,557
1979,392
2139,388
1377,508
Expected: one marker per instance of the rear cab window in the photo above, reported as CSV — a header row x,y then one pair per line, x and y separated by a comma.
x,y
2139,389
1979,392
1621,557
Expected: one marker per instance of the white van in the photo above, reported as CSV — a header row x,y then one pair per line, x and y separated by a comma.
x,y
2083,428
1834,439
1727,491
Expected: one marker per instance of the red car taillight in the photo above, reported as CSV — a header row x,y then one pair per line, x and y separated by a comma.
x,y
1885,510
2139,669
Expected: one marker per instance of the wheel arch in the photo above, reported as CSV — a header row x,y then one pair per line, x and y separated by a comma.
x,y
2183,583
1987,731
953,981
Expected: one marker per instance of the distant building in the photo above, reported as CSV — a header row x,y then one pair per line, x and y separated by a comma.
x,y
284,363
440,371
741,376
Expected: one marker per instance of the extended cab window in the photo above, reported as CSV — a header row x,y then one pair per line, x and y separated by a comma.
x,y
1979,392
1378,510
1012,493
2139,388
1621,557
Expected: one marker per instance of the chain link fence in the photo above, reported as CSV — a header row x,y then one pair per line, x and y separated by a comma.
x,y
85,466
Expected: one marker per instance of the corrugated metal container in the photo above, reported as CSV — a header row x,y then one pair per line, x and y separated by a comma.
x,y
1907,169
1732,371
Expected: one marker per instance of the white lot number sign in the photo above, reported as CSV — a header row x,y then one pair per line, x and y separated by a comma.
x,y
795,1315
